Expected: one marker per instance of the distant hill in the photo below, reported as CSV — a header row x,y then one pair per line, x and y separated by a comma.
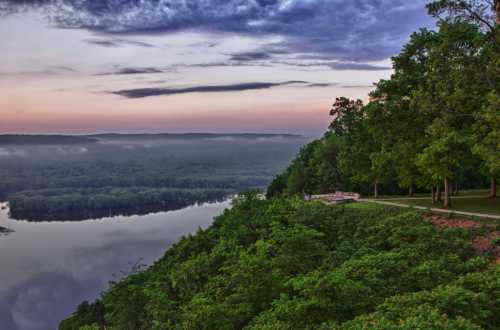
x,y
15,139
44,140
185,136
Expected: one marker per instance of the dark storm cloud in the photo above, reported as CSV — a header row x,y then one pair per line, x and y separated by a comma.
x,y
148,92
346,30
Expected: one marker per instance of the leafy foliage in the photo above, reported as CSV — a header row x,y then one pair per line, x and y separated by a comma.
x,y
288,264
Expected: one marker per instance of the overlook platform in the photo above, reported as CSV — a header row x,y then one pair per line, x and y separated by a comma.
x,y
338,197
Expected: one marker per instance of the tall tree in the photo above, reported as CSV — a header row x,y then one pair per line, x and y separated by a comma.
x,y
487,139
451,95
350,127
394,121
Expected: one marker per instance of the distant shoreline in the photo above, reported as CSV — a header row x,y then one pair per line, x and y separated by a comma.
x,y
87,139
164,134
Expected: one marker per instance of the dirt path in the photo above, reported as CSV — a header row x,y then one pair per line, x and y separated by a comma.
x,y
481,215
426,197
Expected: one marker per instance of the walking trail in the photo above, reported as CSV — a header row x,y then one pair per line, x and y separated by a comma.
x,y
481,215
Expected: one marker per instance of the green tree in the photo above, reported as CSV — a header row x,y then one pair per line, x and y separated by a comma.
x,y
394,121
484,13
487,139
451,99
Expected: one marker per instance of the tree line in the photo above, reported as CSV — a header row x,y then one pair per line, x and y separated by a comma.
x,y
435,124
93,203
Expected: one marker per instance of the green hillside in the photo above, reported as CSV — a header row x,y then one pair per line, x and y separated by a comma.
x,y
287,264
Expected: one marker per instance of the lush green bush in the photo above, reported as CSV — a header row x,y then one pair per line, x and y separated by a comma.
x,y
287,264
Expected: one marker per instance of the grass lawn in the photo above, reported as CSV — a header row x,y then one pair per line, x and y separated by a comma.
x,y
459,203
363,206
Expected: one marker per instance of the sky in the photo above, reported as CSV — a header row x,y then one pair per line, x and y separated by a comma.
x,y
131,66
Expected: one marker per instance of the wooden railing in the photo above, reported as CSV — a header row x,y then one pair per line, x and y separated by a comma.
x,y
337,197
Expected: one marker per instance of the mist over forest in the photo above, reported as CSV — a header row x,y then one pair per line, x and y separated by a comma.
x,y
51,177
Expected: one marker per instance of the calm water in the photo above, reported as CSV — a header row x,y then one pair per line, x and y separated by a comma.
x,y
47,269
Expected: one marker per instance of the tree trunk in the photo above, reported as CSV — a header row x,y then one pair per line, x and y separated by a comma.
x,y
456,189
497,10
433,195
375,189
410,191
493,187
438,193
447,199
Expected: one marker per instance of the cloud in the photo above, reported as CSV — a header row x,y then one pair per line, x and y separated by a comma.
x,y
161,81
335,65
345,30
357,66
103,43
357,86
49,71
62,68
118,43
208,44
263,59
225,64
134,43
250,56
148,92
321,85
130,71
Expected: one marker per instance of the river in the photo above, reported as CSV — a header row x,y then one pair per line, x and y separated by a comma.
x,y
48,268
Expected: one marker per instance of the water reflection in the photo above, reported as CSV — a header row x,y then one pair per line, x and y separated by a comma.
x,y
46,269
